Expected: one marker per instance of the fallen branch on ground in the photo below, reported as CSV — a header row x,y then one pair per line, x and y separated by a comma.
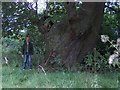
x,y
39,66
6,61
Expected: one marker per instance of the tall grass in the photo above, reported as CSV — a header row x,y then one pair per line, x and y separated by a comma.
x,y
13,77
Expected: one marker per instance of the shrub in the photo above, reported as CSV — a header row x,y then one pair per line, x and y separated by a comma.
x,y
114,58
96,62
11,49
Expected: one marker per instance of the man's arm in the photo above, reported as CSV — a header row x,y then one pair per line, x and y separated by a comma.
x,y
32,49
23,49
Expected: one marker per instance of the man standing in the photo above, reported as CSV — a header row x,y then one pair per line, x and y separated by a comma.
x,y
27,52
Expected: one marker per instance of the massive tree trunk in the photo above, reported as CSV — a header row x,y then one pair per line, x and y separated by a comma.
x,y
76,35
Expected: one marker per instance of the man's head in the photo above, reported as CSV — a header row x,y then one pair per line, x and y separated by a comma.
x,y
27,38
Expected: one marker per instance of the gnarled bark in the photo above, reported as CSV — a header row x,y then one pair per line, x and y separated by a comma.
x,y
75,36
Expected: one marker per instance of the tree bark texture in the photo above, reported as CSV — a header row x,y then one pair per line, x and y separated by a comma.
x,y
76,35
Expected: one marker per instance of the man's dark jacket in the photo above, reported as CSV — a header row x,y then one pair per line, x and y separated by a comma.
x,y
30,48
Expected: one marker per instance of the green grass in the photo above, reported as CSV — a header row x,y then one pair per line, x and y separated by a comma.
x,y
13,77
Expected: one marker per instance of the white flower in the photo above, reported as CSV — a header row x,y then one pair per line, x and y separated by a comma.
x,y
104,38
118,41
114,45
112,58
116,52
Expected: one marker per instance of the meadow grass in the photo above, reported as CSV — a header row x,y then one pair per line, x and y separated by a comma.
x,y
15,77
